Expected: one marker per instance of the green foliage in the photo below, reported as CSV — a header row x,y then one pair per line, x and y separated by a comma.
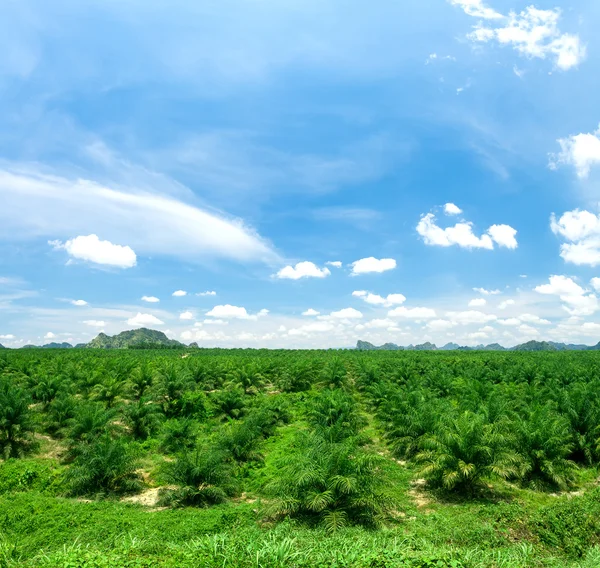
x,y
334,415
105,465
464,451
203,477
16,420
332,484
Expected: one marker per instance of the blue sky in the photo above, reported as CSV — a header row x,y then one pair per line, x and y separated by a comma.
x,y
411,171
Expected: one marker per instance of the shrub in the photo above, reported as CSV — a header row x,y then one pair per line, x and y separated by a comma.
x,y
330,484
16,420
104,466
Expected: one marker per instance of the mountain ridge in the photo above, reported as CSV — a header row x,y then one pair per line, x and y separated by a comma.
x,y
528,346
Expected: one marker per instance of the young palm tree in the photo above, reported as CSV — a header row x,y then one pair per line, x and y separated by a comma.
x,y
202,477
331,484
141,380
142,417
545,442
16,420
88,423
334,415
464,451
104,466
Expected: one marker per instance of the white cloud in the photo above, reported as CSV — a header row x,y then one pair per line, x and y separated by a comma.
x,y
377,300
207,293
150,299
50,335
412,313
477,302
95,323
531,318
504,236
462,235
186,335
91,249
186,316
510,321
304,269
577,301
335,263
532,32
346,313
582,151
595,282
470,316
79,302
477,9
528,330
8,336
144,319
485,292
36,204
179,293
310,312
582,229
380,324
371,264
228,311
212,322
503,305
451,209
440,325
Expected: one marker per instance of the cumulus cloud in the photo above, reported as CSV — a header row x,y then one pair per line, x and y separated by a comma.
x,y
461,234
309,328
380,324
91,249
417,313
95,323
179,293
334,263
79,302
582,231
8,336
227,311
304,269
372,264
37,205
477,302
50,335
509,321
212,322
595,282
582,151
576,300
451,209
150,299
440,325
310,312
186,316
377,300
346,313
186,335
207,293
503,305
531,32
144,319
485,292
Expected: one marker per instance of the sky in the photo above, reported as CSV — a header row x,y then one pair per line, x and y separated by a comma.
x,y
300,173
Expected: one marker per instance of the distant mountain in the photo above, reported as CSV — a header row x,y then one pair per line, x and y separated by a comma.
x,y
79,346
135,338
55,345
450,347
366,346
529,346
2,346
535,346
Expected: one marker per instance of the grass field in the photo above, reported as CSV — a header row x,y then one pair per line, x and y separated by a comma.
x,y
299,458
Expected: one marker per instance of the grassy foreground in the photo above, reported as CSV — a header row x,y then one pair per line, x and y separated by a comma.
x,y
256,459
